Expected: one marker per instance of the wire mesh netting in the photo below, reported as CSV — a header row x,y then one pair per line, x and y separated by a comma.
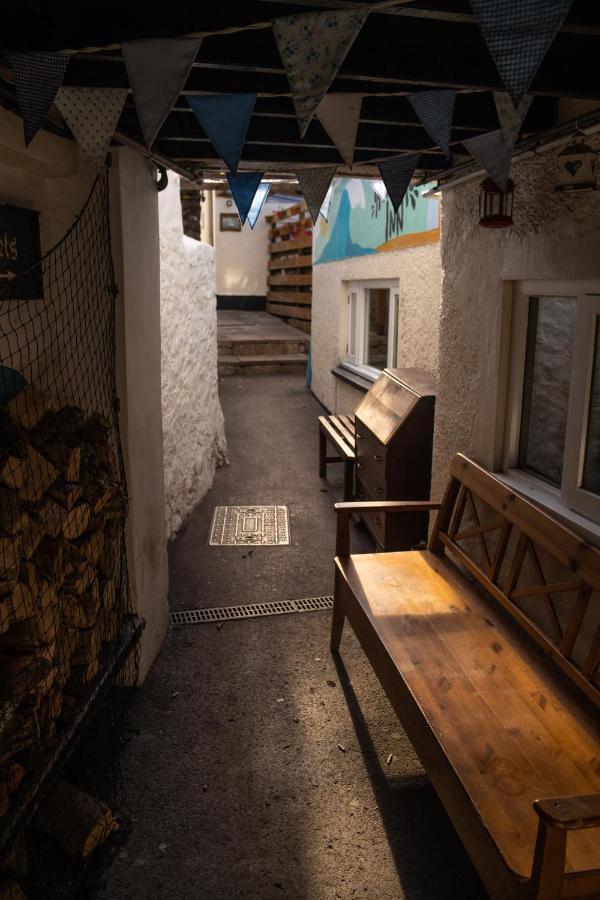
x,y
66,628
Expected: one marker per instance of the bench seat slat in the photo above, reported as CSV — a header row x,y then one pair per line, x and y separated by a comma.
x,y
341,426
511,728
339,442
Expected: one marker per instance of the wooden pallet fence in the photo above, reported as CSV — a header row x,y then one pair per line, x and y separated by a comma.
x,y
289,294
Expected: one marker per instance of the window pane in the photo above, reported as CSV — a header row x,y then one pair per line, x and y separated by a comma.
x,y
591,462
550,337
377,325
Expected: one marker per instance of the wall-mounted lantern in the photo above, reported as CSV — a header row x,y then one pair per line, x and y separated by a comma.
x,y
578,168
495,206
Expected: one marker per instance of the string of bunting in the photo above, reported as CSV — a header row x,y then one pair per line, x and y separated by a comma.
x,y
312,47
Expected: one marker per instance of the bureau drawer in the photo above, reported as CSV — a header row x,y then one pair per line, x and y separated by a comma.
x,y
371,457
375,522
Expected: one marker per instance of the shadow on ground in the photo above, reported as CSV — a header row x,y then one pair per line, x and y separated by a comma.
x,y
255,767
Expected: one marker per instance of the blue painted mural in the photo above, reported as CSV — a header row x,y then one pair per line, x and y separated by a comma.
x,y
359,221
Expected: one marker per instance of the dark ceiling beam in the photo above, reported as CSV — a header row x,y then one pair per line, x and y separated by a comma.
x,y
444,11
54,26
293,154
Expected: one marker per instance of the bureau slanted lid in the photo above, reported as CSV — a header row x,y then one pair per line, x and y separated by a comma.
x,y
392,399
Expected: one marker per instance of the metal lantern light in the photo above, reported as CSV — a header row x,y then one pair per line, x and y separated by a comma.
x,y
578,165
495,206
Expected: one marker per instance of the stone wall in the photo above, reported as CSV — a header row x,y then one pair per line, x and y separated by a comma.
x,y
554,236
193,426
418,270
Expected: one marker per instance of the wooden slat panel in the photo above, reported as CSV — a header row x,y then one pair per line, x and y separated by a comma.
x,y
290,312
289,280
292,262
289,246
567,547
302,298
345,448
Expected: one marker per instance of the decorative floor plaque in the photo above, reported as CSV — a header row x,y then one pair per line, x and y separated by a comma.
x,y
257,525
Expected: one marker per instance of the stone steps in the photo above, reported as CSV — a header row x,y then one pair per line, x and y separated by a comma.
x,y
260,347
263,364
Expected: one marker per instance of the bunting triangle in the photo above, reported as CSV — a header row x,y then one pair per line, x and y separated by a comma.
x,y
493,154
225,119
397,172
262,192
92,115
38,77
435,110
312,47
158,70
243,186
314,184
339,115
510,118
518,34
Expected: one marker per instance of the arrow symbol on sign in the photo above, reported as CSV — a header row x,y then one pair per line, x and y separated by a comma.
x,y
8,275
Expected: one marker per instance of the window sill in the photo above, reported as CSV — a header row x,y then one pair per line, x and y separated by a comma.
x,y
549,499
358,381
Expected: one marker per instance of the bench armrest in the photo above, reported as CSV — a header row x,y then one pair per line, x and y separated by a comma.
x,y
344,511
570,813
557,817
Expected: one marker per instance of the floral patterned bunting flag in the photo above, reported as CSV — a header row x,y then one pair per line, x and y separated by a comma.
x,y
312,47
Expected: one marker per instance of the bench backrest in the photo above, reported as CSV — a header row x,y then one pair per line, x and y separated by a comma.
x,y
543,574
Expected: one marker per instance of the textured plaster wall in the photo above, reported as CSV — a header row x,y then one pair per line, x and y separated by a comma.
x,y
418,270
134,220
554,236
193,426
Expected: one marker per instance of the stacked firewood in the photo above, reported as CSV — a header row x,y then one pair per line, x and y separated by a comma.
x,y
61,517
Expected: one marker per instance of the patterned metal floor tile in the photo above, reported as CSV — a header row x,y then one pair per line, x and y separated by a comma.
x,y
256,525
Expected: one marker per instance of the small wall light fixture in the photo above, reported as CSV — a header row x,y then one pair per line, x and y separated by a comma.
x,y
495,206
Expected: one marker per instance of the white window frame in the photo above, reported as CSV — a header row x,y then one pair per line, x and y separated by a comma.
x,y
570,496
356,342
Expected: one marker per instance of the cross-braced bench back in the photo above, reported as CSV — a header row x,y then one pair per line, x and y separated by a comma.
x,y
546,577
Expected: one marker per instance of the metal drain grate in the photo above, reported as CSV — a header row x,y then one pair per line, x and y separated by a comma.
x,y
250,611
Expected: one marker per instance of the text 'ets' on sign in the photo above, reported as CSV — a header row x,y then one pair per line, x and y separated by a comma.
x,y
20,254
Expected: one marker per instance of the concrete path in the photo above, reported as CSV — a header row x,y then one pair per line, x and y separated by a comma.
x,y
236,781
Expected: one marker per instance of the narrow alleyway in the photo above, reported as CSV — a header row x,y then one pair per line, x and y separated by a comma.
x,y
236,780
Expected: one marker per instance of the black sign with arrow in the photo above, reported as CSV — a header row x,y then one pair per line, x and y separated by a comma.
x,y
20,252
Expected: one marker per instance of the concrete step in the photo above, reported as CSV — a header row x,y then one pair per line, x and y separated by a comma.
x,y
260,347
272,364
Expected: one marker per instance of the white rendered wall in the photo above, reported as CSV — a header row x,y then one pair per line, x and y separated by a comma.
x,y
242,257
193,426
419,274
134,219
554,236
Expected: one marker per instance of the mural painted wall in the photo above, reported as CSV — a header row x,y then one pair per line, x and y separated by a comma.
x,y
360,222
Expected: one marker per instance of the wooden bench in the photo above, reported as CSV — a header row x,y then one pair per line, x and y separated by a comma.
x,y
488,647
339,432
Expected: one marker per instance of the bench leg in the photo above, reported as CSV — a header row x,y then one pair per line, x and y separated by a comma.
x,y
348,479
322,455
337,619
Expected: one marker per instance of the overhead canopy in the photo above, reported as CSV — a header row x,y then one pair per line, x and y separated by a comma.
x,y
412,46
